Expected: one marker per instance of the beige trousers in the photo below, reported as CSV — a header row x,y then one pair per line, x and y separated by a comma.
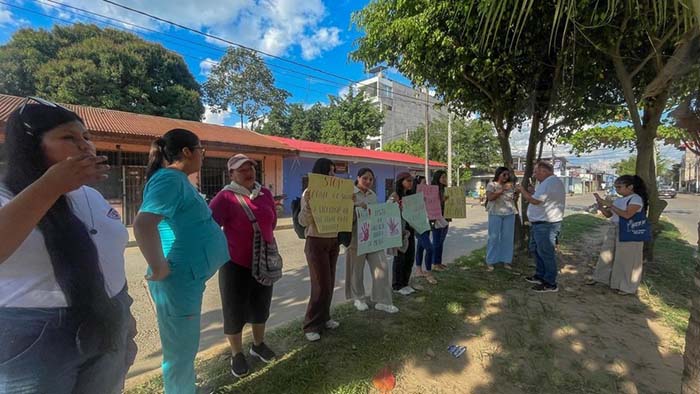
x,y
354,276
620,263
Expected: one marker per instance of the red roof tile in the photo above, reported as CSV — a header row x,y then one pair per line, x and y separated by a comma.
x,y
345,151
119,123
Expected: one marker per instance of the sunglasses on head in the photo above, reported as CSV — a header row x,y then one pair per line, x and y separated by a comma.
x,y
27,126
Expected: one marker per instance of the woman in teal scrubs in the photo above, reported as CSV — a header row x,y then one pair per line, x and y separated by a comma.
x,y
183,246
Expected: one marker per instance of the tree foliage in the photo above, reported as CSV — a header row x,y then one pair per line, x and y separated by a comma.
x,y
242,81
351,120
628,166
616,137
346,121
106,68
474,143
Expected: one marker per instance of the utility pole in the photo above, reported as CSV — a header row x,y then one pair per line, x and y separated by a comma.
x,y
427,126
449,148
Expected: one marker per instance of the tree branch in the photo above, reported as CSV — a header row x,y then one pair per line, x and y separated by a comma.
x,y
479,86
654,52
680,63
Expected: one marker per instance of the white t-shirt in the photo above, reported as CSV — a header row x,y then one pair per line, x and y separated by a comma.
x,y
623,202
553,196
27,278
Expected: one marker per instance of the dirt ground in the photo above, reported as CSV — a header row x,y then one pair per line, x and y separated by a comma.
x,y
584,339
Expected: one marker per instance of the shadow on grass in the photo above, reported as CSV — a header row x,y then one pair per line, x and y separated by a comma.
x,y
580,340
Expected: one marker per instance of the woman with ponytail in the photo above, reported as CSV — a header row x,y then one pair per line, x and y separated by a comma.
x,y
183,247
620,263
65,324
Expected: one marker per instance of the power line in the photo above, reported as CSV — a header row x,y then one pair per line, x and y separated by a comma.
x,y
354,82
225,40
213,48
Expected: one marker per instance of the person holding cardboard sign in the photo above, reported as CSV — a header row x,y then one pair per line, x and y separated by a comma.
x,y
355,264
321,250
403,260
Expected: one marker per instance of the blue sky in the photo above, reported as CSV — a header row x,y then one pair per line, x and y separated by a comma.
x,y
311,32
315,33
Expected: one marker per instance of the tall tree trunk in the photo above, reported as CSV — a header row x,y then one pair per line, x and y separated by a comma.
x,y
646,164
690,383
503,134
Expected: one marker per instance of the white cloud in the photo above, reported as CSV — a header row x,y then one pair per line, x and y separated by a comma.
x,y
5,16
219,118
273,26
206,65
324,39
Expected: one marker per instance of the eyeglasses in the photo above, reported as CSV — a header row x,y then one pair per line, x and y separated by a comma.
x,y
203,149
28,127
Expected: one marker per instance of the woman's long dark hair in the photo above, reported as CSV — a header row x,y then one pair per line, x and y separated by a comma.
x,y
322,166
436,178
640,188
398,187
73,254
168,149
363,171
499,171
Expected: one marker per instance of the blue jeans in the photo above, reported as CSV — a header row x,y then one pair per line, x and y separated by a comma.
x,y
439,235
543,238
424,245
39,353
499,248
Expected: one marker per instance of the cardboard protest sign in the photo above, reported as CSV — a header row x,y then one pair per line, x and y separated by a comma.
x,y
431,195
330,199
414,212
455,206
378,227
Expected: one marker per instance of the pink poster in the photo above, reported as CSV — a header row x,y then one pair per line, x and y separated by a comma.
x,y
431,195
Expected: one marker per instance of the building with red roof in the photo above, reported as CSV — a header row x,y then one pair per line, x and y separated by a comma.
x,y
348,160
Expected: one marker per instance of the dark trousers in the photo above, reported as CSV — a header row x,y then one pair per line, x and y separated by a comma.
x,y
403,265
321,256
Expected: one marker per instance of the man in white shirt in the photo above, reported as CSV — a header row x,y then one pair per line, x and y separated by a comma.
x,y
545,213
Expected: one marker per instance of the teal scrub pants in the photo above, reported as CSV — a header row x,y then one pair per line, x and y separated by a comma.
x,y
178,300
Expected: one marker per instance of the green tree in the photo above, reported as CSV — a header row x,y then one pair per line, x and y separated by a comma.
x,y
647,47
436,43
351,119
106,68
687,117
242,81
474,143
629,165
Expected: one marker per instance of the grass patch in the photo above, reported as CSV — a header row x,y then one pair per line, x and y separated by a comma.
x,y
668,283
468,302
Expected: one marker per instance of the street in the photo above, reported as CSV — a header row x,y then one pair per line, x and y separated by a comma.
x,y
291,292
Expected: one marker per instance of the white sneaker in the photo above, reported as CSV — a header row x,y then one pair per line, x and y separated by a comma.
x,y
361,305
386,308
312,336
406,291
410,289
332,324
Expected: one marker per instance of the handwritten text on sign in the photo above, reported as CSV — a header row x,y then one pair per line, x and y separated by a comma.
x,y
431,195
413,212
455,206
378,227
331,204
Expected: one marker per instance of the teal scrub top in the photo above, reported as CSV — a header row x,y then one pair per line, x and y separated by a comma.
x,y
189,235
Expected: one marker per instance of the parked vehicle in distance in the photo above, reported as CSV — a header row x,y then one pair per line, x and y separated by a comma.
x,y
667,192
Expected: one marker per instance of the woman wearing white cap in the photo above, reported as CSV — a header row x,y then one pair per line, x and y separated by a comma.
x,y
244,299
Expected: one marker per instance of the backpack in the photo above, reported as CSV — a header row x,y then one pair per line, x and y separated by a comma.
x,y
298,228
